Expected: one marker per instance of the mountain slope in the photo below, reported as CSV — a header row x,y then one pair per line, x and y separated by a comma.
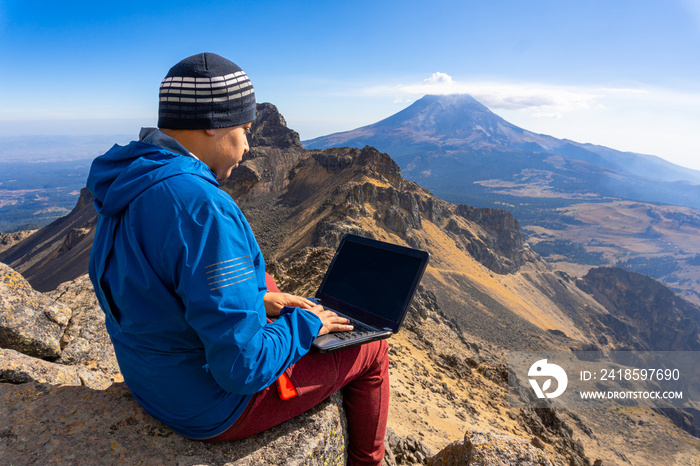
x,y
58,252
661,321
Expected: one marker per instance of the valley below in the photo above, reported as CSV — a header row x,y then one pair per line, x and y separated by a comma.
x,y
35,193
655,240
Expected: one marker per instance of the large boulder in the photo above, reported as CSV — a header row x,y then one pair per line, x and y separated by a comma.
x,y
29,321
17,368
85,342
41,424
491,449
54,337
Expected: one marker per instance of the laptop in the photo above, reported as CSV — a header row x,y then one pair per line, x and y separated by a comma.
x,y
371,283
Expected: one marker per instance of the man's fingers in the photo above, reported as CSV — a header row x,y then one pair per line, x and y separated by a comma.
x,y
342,328
331,321
335,318
338,324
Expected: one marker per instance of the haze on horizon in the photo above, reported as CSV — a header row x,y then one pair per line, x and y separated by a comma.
x,y
620,74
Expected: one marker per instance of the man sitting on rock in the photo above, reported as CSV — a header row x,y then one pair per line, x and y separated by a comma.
x,y
182,281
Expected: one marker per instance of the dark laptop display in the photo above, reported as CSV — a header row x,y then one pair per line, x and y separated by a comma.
x,y
371,282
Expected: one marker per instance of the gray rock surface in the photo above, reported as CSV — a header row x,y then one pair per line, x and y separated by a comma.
x,y
44,340
29,321
405,451
17,368
490,449
85,342
42,424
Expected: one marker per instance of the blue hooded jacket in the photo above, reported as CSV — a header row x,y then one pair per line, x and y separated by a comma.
x,y
181,280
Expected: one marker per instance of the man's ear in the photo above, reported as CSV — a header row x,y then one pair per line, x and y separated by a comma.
x,y
210,132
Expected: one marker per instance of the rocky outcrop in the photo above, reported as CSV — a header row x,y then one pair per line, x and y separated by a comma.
x,y
644,314
42,424
29,322
46,341
271,129
85,343
405,451
275,149
7,240
17,368
503,248
347,188
479,448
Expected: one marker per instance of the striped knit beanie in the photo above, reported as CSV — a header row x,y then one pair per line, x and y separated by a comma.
x,y
205,91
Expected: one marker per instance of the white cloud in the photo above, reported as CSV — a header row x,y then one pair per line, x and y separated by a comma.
x,y
654,121
439,78
437,83
533,97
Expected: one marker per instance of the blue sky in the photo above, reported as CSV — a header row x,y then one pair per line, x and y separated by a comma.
x,y
620,73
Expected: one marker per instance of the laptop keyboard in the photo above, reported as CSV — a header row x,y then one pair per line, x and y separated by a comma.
x,y
359,330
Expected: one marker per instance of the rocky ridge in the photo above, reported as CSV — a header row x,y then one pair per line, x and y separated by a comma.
x,y
644,314
7,240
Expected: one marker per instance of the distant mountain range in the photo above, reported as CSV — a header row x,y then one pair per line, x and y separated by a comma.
x,y
461,150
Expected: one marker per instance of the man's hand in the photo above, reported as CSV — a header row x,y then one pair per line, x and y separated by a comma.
x,y
332,322
274,302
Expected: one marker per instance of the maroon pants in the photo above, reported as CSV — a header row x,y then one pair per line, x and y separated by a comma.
x,y
361,372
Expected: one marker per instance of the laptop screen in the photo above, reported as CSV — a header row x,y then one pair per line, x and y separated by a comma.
x,y
373,278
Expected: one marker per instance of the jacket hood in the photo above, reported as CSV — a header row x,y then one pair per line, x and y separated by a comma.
x,y
124,172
